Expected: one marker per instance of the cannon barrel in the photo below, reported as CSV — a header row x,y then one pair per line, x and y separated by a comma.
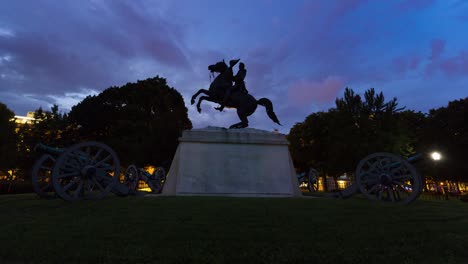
x,y
411,159
416,157
43,148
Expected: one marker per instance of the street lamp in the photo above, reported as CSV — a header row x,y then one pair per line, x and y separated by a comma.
x,y
436,156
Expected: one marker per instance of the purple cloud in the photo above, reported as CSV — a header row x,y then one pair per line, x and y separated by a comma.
x,y
437,48
403,64
154,35
447,65
456,65
71,53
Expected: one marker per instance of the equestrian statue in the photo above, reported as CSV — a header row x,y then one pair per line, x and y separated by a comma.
x,y
223,92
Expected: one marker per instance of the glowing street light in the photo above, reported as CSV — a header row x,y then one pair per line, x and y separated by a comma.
x,y
436,156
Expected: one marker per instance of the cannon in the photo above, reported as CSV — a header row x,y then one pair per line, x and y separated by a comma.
x,y
386,177
309,177
88,170
42,171
155,181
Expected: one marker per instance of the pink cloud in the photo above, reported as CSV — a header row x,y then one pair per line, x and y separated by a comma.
x,y
450,66
455,65
305,92
407,63
413,62
437,48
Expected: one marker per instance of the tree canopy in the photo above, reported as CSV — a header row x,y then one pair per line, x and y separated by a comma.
x,y
142,121
335,141
8,139
446,131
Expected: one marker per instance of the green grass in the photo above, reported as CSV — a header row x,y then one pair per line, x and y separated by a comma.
x,y
231,230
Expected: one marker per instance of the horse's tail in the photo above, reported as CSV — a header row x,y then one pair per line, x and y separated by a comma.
x,y
269,108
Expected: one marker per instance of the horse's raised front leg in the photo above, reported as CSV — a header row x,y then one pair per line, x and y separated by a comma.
x,y
198,93
201,99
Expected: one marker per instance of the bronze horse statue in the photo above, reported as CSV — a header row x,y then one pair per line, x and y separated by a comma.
x,y
245,103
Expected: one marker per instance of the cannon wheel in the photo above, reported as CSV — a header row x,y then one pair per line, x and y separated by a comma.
x,y
42,176
160,175
312,183
388,177
131,178
87,170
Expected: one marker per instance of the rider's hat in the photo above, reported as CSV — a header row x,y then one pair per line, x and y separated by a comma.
x,y
233,62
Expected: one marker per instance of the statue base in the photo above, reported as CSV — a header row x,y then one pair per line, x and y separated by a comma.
x,y
232,162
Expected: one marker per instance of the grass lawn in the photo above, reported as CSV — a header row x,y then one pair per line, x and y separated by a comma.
x,y
231,230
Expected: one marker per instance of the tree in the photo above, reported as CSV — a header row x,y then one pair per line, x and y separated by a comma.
x,y
446,130
48,127
8,139
336,140
8,143
308,141
142,121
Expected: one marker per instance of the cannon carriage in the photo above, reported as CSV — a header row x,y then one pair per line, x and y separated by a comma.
x,y
88,170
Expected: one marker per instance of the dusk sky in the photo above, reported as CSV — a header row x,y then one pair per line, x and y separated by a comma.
x,y
299,54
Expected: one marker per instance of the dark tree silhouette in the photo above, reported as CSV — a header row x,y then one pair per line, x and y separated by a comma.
x,y
8,139
335,141
446,130
142,121
49,127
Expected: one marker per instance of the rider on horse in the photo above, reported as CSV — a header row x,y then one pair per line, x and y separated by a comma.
x,y
239,84
244,103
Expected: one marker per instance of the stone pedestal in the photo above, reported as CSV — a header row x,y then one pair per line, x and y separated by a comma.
x,y
232,162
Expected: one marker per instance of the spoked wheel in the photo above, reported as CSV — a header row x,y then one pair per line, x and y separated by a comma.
x,y
87,170
131,178
312,185
159,177
42,176
388,177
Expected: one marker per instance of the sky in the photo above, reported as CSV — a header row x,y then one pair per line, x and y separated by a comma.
x,y
299,54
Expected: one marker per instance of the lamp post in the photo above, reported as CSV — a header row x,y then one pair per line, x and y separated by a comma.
x,y
436,156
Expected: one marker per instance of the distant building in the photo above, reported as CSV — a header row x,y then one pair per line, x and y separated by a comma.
x,y
28,119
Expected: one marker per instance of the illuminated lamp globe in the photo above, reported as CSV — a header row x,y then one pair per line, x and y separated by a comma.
x,y
436,155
